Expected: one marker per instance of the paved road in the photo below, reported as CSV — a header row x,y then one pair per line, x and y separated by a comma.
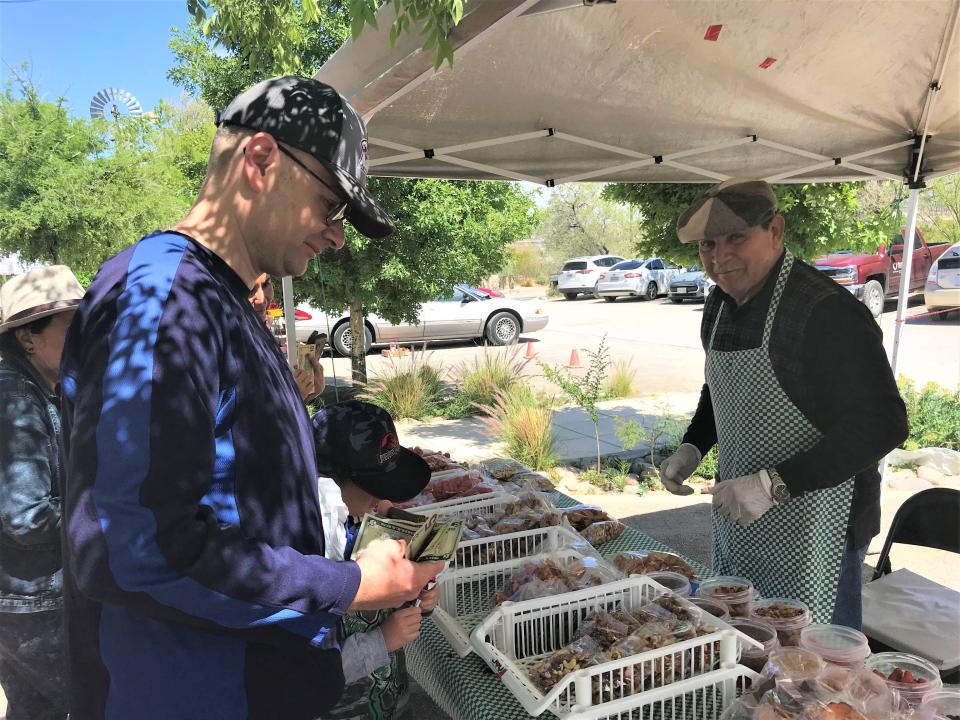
x,y
661,340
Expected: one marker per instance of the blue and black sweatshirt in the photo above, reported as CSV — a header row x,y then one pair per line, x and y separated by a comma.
x,y
195,579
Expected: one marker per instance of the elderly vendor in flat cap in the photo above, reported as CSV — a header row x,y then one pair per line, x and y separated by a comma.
x,y
800,401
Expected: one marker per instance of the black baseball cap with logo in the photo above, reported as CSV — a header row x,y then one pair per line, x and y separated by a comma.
x,y
357,441
313,117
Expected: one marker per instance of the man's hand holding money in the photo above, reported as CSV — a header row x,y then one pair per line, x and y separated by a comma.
x,y
387,579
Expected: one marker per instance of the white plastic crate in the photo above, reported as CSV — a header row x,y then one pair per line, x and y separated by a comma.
x,y
515,545
466,506
467,594
519,636
703,697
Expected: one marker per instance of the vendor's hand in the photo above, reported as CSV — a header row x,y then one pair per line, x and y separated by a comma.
x,y
387,578
430,598
675,470
743,499
401,628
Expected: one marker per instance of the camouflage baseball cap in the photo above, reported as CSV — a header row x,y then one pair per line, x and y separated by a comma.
x,y
357,441
732,206
313,117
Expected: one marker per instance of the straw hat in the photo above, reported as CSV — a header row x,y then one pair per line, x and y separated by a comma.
x,y
36,294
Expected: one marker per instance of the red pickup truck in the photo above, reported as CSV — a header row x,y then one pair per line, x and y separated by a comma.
x,y
874,278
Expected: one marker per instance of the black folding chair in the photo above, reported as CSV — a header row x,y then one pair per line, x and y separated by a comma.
x,y
931,518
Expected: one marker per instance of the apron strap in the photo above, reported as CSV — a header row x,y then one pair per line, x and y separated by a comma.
x,y
777,294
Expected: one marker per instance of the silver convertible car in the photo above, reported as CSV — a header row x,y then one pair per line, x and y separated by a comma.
x,y
465,314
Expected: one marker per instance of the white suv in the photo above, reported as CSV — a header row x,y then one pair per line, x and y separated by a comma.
x,y
580,274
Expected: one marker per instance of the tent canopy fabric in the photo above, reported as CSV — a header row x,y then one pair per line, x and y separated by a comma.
x,y
556,91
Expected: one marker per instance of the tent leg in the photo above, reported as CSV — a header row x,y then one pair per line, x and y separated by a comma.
x,y
289,320
905,273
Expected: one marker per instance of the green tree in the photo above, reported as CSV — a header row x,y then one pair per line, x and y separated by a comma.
x,y
75,191
578,220
940,210
447,232
267,37
819,218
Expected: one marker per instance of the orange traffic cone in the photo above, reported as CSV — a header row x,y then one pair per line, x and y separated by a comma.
x,y
531,353
574,360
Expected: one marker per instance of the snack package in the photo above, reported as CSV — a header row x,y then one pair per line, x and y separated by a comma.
x,y
640,563
583,516
582,653
603,532
543,578
502,468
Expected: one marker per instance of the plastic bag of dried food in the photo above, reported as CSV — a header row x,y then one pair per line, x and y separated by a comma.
x,y
589,572
502,468
528,501
602,532
607,629
532,482
643,675
582,653
640,563
582,516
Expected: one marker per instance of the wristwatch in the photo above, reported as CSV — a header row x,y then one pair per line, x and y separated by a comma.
x,y
778,488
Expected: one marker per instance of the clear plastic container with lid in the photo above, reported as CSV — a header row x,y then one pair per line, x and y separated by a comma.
x,y
734,592
836,644
788,616
942,704
797,664
753,657
674,582
910,675
713,607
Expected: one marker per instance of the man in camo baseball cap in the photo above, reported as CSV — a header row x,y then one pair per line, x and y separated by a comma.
x,y
313,117
732,206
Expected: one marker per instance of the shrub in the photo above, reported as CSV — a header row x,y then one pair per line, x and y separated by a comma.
x,y
934,415
707,469
408,388
621,382
524,421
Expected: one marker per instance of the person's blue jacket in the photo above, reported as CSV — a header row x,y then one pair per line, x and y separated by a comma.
x,y
31,566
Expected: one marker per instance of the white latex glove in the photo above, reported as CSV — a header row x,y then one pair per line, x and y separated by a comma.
x,y
678,467
743,499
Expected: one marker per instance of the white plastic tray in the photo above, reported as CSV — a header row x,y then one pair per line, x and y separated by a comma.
x,y
518,636
703,697
466,594
466,506
522,544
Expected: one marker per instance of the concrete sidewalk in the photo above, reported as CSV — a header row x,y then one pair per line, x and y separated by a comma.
x,y
470,440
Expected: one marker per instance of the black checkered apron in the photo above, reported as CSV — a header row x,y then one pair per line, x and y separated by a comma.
x,y
793,550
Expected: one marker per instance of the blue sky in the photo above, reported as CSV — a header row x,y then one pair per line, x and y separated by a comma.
x,y
77,47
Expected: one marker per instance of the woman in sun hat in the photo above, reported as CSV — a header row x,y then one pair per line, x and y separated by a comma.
x,y
35,310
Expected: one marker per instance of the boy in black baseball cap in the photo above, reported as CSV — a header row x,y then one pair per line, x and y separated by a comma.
x,y
358,451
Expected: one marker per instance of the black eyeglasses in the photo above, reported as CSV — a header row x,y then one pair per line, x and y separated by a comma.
x,y
339,210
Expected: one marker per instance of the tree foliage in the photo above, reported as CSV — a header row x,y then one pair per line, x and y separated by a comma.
x,y
579,220
819,218
76,191
940,210
266,35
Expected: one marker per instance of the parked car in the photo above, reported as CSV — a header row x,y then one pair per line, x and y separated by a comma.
x,y
637,278
942,290
691,285
579,274
464,313
873,278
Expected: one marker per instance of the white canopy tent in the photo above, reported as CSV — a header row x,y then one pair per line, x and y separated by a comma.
x,y
556,91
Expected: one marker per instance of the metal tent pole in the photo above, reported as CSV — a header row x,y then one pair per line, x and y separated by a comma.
x,y
289,319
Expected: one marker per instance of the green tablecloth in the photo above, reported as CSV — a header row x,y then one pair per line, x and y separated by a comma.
x,y
464,687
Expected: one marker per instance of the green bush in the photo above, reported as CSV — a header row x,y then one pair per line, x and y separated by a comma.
x,y
621,381
524,422
707,469
934,415
408,389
